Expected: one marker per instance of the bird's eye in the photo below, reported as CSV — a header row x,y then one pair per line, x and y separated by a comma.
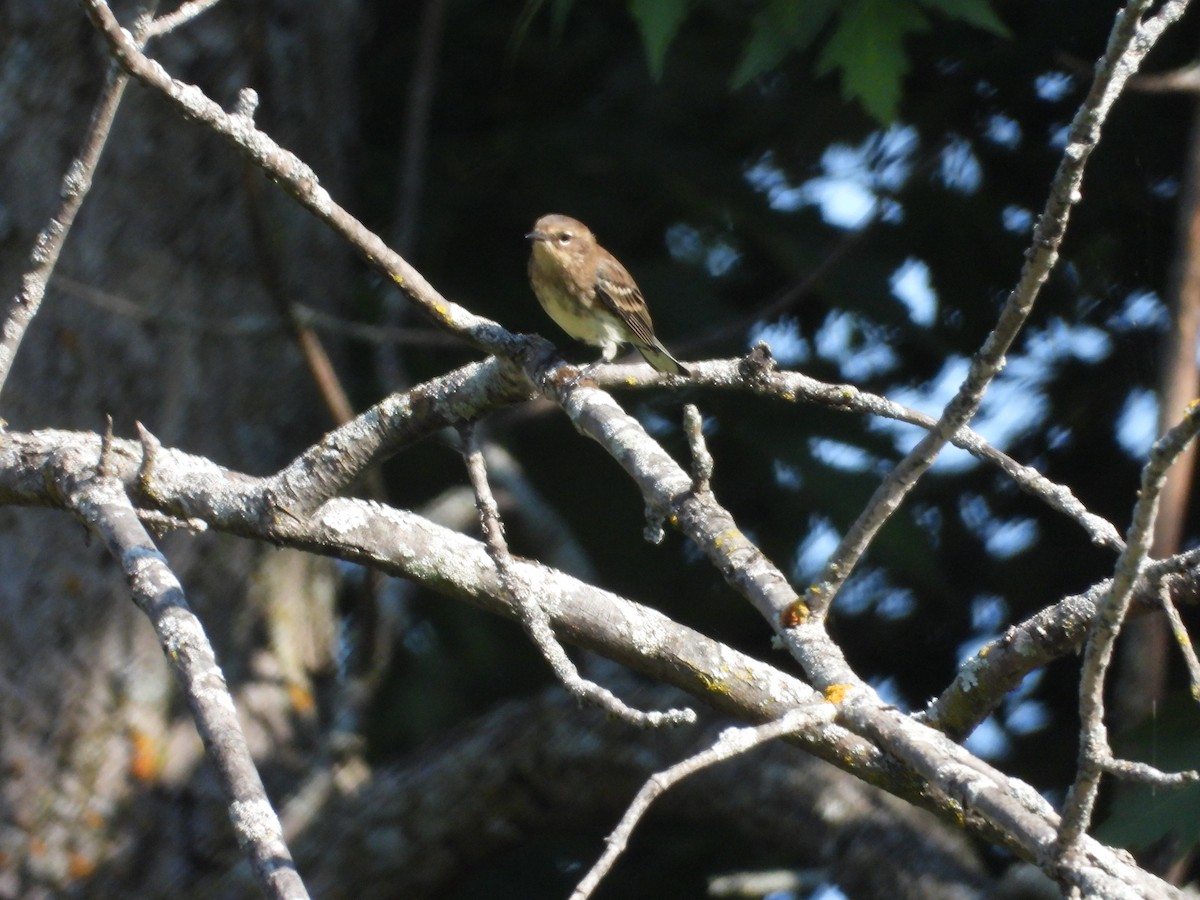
x,y
564,237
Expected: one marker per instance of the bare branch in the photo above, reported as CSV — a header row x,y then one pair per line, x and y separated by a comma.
x,y
1146,774
702,461
533,615
731,743
401,543
1049,634
302,183
795,387
104,507
1179,631
1094,751
23,307
332,464
184,14
1131,39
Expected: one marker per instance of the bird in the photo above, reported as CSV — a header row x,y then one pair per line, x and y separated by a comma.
x,y
590,295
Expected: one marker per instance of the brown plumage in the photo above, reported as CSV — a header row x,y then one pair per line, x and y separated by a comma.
x,y
590,295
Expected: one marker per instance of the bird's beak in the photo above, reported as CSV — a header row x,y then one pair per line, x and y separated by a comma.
x,y
536,236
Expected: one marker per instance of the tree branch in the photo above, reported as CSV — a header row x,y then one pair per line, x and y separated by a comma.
x,y
948,780
1094,750
24,305
104,507
533,616
1131,39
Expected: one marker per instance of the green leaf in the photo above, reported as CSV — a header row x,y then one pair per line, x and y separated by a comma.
x,y
974,12
659,22
867,48
779,28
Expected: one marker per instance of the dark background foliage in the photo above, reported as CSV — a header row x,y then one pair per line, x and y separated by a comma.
x,y
730,206
570,119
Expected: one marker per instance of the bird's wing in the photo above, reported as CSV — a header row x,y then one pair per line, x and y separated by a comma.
x,y
616,289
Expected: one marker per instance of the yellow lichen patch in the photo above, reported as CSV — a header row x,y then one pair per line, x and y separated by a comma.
x,y
1181,638
398,278
716,685
794,614
730,535
836,693
744,675
957,811
788,396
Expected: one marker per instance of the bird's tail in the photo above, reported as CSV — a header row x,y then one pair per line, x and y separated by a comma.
x,y
660,358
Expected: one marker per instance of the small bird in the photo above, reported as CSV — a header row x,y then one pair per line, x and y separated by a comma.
x,y
590,295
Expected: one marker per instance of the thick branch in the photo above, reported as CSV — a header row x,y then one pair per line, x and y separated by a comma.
x,y
1001,808
105,508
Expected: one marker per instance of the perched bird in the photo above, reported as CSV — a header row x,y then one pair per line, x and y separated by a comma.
x,y
588,293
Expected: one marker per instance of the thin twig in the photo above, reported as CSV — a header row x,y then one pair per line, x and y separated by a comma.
x,y
1094,751
1142,773
301,182
1129,42
1186,647
731,743
702,461
796,387
185,13
24,305
530,612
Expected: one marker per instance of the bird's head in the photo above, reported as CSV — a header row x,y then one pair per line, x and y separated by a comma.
x,y
561,237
